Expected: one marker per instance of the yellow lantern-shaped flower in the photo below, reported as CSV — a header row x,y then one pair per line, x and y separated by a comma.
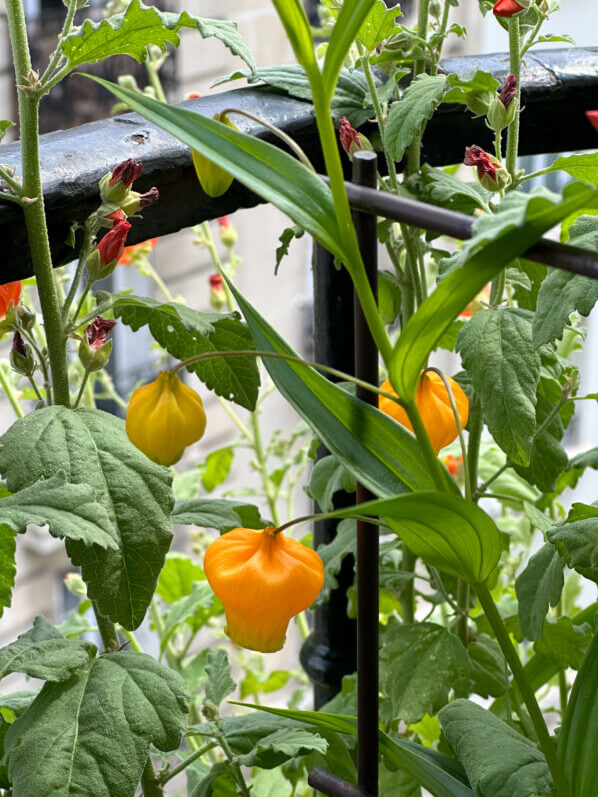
x,y
164,417
214,180
263,579
434,405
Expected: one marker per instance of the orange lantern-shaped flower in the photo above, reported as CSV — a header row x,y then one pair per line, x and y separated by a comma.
x,y
434,405
9,293
263,580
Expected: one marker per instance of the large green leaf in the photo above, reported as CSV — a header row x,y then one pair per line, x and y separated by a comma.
x,y
446,531
42,652
441,775
577,540
499,761
92,734
497,352
185,332
383,455
130,33
520,221
420,664
348,25
71,512
8,569
538,587
582,167
406,117
378,25
274,175
92,448
578,738
564,642
218,513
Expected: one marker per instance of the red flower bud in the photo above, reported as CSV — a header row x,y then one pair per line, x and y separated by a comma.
x,y
476,156
348,135
215,282
112,244
149,198
97,332
224,222
507,8
193,95
592,119
116,216
508,93
126,172
9,294
18,344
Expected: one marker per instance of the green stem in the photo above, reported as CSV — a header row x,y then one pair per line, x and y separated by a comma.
x,y
531,39
106,628
302,625
66,29
172,773
476,424
498,144
463,604
10,181
5,197
407,596
514,69
35,219
150,785
154,79
497,288
86,245
131,639
263,466
234,763
10,392
73,322
419,66
504,640
82,388
35,388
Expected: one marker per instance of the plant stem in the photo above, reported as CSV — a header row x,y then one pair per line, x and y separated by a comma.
x,y
263,466
88,237
35,388
73,322
476,424
407,596
172,773
546,742
106,628
81,389
6,197
514,69
234,763
154,79
10,392
150,785
57,55
35,219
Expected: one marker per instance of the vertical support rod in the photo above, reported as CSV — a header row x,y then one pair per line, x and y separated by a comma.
x,y
366,368
330,652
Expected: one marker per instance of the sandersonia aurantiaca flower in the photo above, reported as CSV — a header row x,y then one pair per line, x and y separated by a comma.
x,y
263,580
95,348
104,258
10,293
228,234
214,180
491,173
508,8
434,405
351,140
164,417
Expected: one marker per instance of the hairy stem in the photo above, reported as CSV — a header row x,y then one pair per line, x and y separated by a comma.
x,y
515,69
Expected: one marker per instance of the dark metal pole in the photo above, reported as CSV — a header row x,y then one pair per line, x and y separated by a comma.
x,y
366,368
329,784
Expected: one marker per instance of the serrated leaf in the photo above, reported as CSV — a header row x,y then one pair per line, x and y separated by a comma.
x,y
177,576
420,664
582,167
253,685
406,117
538,587
220,683
92,448
564,642
42,652
328,476
4,125
287,236
130,33
563,293
497,351
444,189
92,733
184,332
71,512
499,761
8,568
379,24
333,553
577,540
218,513
289,742
200,596
459,88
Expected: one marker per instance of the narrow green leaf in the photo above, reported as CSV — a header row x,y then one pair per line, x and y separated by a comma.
x,y
538,587
520,221
218,513
298,30
92,734
8,569
220,683
406,117
92,448
71,512
497,352
130,33
348,25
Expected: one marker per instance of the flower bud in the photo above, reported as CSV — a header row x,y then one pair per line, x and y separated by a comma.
x,y
21,358
104,258
95,348
434,405
351,140
503,106
10,293
478,102
491,174
164,417
136,202
26,318
228,234
114,186
548,7
217,294
75,585
508,8
214,180
263,580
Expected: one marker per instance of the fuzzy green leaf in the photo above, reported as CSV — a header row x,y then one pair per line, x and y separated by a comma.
x,y
327,478
8,569
290,742
185,332
538,587
199,597
379,24
92,448
488,664
564,642
460,88
406,117
177,576
582,167
577,540
218,513
220,683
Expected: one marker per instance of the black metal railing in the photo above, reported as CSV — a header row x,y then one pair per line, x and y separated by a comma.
x,y
559,85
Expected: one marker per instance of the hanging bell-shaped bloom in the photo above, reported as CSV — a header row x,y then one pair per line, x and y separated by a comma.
x,y
263,580
165,417
214,180
434,405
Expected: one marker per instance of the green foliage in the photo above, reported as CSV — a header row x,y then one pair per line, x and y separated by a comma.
x,y
332,554
200,597
42,652
91,447
217,468
220,683
130,33
539,586
497,352
564,642
185,332
59,748
177,576
407,116
499,761
328,476
441,188
353,16
488,666
420,664
576,540
581,167
378,25
218,513
461,90
8,568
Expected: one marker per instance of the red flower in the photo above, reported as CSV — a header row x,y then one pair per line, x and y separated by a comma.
x,y
507,95
593,118
112,245
476,156
348,135
452,464
116,216
215,282
128,254
9,294
507,8
97,332
126,172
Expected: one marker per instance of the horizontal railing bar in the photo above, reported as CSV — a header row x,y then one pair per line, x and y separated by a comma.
x,y
458,225
563,82
332,785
